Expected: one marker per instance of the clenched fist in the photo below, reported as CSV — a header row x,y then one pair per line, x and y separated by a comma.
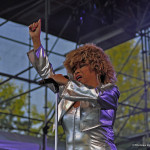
x,y
35,31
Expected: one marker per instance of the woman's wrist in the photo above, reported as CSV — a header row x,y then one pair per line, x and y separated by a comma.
x,y
36,43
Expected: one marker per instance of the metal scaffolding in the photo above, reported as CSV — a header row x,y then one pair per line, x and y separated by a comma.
x,y
144,40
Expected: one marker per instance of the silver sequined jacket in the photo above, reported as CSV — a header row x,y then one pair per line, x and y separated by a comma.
x,y
97,106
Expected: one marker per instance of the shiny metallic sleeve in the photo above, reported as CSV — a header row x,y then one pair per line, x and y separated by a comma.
x,y
76,91
40,62
107,95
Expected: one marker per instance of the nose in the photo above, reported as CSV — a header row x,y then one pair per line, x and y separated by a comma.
x,y
76,72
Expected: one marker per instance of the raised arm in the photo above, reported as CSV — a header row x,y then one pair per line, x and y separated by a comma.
x,y
39,59
37,56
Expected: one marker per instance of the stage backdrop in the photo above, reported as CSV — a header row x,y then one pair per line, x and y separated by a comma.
x,y
15,141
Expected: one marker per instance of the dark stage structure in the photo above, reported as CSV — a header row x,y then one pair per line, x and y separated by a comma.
x,y
106,23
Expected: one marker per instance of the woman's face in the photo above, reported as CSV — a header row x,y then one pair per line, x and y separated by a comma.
x,y
84,74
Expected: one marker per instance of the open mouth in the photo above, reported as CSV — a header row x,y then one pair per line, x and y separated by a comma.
x,y
78,77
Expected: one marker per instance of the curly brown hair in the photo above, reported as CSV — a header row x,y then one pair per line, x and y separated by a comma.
x,y
98,60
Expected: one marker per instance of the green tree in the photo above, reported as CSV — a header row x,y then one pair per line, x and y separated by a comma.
x,y
38,126
10,111
126,59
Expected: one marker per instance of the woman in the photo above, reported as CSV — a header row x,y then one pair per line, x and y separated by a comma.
x,y
89,98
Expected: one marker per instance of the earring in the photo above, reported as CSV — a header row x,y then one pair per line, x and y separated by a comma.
x,y
98,78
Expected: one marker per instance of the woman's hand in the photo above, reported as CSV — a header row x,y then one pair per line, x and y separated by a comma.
x,y
35,31
60,79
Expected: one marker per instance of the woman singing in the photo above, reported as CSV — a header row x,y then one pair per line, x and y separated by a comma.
x,y
88,99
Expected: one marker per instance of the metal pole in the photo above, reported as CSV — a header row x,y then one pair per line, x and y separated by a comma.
x,y
56,122
46,48
29,94
144,50
45,134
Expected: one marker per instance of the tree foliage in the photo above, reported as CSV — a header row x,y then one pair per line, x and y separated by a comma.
x,y
12,110
38,126
126,59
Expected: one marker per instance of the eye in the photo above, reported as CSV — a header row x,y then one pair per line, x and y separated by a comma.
x,y
82,65
74,69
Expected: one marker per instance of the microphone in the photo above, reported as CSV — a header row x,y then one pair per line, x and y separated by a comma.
x,y
46,81
50,80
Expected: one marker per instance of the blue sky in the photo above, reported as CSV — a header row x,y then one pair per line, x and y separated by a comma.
x,y
13,58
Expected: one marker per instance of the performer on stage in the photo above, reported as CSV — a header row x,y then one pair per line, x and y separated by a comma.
x,y
88,99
